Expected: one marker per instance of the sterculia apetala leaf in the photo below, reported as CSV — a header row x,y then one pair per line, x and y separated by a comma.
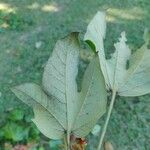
x,y
132,81
58,107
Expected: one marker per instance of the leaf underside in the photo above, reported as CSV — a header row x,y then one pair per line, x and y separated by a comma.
x,y
134,81
57,106
92,100
34,96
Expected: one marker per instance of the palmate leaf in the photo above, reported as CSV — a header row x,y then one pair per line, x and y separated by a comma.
x,y
58,107
134,81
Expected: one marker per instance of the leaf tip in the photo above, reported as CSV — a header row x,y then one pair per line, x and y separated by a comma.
x,y
123,37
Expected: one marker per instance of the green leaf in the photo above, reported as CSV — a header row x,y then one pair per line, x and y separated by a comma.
x,y
92,98
16,114
13,131
58,107
34,133
134,81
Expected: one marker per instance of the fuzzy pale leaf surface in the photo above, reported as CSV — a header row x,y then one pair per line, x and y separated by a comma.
x,y
58,106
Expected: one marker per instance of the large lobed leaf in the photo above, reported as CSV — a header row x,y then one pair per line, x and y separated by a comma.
x,y
58,107
134,81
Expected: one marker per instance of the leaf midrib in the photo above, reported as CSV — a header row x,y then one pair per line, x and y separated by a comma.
x,y
66,91
105,61
115,70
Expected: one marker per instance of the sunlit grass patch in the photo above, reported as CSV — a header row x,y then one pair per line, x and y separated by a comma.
x,y
6,8
13,21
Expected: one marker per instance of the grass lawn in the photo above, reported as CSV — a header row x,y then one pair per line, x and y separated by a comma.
x,y
29,30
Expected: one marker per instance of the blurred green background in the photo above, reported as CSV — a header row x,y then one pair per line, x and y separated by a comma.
x,y
29,30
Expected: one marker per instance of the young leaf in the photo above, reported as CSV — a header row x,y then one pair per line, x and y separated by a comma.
x,y
134,81
58,107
